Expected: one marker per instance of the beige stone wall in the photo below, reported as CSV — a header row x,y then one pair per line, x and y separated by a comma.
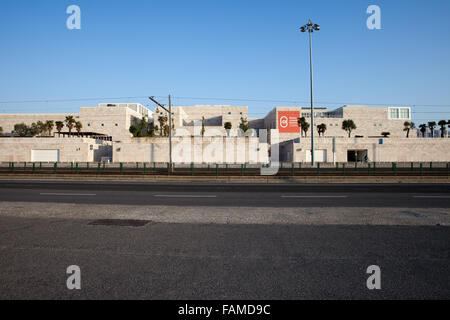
x,y
217,115
112,121
191,149
392,149
369,121
7,121
70,149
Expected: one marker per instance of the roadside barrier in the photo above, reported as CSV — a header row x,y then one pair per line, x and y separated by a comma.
x,y
242,169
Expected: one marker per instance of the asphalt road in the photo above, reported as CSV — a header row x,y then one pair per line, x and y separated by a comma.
x,y
230,195
122,259
216,261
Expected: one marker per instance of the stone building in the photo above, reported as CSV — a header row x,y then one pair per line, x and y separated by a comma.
x,y
278,133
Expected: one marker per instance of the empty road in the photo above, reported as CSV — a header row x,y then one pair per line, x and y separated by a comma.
x,y
230,195
223,241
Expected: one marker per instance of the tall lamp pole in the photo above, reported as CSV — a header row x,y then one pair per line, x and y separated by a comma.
x,y
310,28
170,128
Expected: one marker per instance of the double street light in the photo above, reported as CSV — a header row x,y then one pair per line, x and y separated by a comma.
x,y
310,28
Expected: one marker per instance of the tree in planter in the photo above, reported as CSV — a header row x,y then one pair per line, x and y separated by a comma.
x,y
78,127
134,130
386,134
321,128
349,126
49,125
59,126
34,129
70,123
408,126
227,126
143,129
431,125
244,126
21,129
40,126
442,124
423,129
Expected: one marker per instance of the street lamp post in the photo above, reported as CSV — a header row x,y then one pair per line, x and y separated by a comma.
x,y
310,28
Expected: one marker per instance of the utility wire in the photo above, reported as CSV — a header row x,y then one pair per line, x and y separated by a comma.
x,y
227,99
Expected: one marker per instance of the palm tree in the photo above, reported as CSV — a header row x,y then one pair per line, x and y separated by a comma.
x,y
321,128
431,125
301,121
70,123
423,129
305,128
59,126
162,121
408,126
78,126
349,126
49,125
442,124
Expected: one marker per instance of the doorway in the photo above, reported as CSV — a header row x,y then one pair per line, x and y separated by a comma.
x,y
357,155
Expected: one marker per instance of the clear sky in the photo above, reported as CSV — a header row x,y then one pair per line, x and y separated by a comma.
x,y
225,52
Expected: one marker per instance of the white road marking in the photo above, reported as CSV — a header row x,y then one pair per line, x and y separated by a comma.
x,y
66,194
314,196
432,197
184,196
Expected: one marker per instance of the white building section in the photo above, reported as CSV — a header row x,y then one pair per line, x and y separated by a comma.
x,y
49,155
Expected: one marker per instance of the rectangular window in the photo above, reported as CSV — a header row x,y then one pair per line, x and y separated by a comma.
x,y
393,113
404,113
399,113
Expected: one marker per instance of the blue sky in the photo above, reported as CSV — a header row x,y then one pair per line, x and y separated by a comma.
x,y
237,50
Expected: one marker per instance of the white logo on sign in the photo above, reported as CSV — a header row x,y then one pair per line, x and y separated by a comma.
x,y
283,122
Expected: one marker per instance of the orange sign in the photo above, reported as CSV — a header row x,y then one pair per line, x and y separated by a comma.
x,y
288,121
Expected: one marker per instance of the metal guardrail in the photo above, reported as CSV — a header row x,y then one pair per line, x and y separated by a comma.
x,y
244,169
